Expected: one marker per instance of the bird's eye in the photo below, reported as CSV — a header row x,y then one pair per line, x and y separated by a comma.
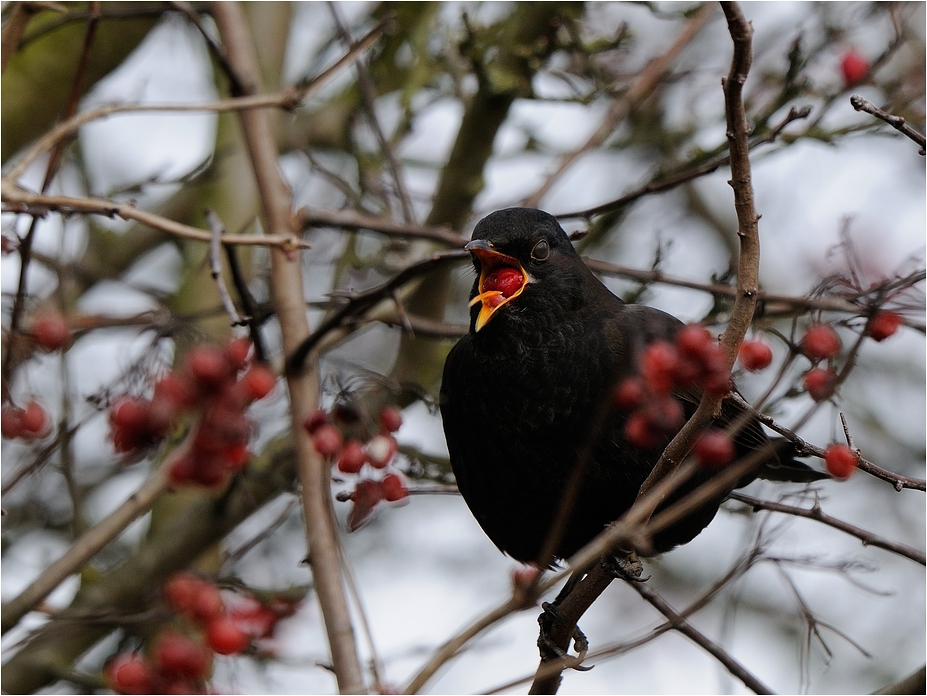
x,y
541,250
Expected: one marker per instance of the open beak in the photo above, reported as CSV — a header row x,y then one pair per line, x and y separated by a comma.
x,y
496,287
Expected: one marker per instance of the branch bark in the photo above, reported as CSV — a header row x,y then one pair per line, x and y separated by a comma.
x,y
287,292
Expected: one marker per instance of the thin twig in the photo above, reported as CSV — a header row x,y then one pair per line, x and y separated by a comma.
x,y
17,200
215,266
90,543
687,174
699,638
288,99
817,514
896,122
647,81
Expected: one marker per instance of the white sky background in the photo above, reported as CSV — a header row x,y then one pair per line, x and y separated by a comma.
x,y
425,570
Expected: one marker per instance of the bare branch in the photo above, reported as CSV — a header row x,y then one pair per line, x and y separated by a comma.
x,y
896,122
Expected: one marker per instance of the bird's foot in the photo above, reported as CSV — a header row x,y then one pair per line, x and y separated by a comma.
x,y
549,650
625,565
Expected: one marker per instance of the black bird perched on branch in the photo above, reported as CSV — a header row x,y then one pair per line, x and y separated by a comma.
x,y
526,394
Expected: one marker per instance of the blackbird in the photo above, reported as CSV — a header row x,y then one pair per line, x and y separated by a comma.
x,y
523,392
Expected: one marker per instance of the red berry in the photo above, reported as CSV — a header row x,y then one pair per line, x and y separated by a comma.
x,y
51,332
315,420
664,413
658,366
367,493
236,353
694,340
393,488
505,280
714,449
629,394
130,673
225,637
258,382
640,432
34,421
855,68
208,366
820,384
11,422
327,440
181,590
130,413
883,324
841,461
207,602
820,342
175,392
380,450
352,457
181,471
391,419
235,456
176,655
755,355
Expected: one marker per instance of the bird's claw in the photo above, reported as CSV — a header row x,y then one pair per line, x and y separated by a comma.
x,y
625,566
549,650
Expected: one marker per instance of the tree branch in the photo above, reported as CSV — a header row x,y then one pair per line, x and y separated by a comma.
x,y
287,292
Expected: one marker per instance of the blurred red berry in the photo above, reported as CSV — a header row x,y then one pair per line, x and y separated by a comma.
x,y
174,390
225,637
714,449
694,340
315,420
883,324
130,673
208,366
181,590
258,382
35,420
820,342
11,421
51,332
352,457
820,384
236,353
640,432
393,488
841,461
175,655
327,440
367,493
854,68
664,413
391,419
380,450
629,394
658,366
755,355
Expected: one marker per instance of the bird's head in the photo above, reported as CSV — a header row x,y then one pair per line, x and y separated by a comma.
x,y
523,258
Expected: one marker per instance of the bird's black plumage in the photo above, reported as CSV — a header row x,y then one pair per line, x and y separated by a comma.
x,y
522,391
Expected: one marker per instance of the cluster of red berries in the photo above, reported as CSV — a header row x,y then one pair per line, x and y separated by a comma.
x,y
208,384
30,422
695,359
352,456
180,662
820,342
